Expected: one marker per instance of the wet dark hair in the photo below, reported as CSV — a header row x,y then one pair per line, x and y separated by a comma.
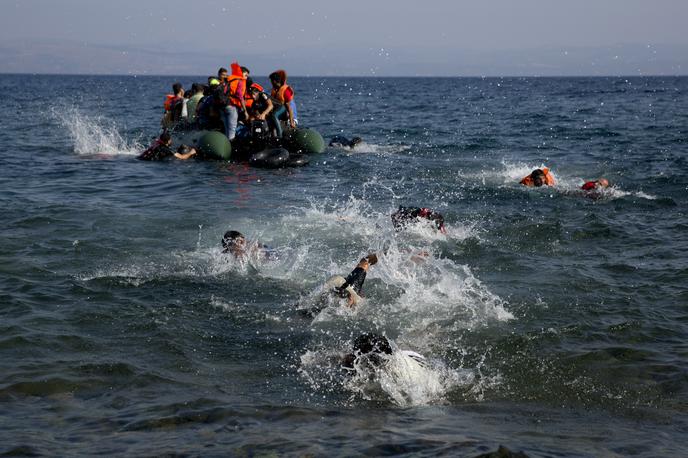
x,y
245,70
183,149
372,343
221,70
356,140
538,177
176,87
165,137
230,237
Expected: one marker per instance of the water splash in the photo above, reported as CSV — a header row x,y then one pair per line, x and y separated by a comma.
x,y
93,135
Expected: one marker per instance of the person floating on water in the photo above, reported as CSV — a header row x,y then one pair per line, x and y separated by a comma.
x,y
235,243
375,350
160,150
407,215
339,141
595,185
538,177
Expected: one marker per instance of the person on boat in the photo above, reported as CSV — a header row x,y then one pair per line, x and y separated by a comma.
x,y
207,114
283,99
160,150
595,185
174,104
192,104
260,103
375,350
351,287
538,177
339,141
235,243
230,99
407,215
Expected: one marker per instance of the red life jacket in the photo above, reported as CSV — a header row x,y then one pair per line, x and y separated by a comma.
x,y
589,186
170,100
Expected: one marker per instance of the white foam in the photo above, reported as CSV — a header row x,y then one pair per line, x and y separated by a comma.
x,y
403,379
92,135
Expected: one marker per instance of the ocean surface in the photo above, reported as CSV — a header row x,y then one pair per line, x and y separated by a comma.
x,y
553,323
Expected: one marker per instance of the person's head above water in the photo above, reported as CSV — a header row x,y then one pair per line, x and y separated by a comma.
x,y
603,182
406,215
233,242
538,177
165,138
370,346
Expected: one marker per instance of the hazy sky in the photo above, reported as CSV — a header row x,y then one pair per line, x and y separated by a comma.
x,y
347,36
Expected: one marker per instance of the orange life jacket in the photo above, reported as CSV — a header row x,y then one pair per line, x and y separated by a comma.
x,y
248,98
278,94
549,179
169,101
231,90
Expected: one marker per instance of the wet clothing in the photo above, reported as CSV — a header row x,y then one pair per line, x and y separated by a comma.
x,y
355,280
589,186
548,179
157,152
405,215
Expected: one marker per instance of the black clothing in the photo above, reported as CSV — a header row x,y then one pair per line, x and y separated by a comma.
x,y
157,152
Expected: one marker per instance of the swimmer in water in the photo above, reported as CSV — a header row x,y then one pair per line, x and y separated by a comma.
x,y
595,185
340,141
538,177
376,349
234,242
350,288
407,215
160,150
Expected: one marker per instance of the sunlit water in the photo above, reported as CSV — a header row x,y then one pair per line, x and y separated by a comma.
x,y
551,322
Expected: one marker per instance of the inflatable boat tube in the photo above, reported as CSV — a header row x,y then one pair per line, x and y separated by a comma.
x,y
297,160
270,158
209,144
304,141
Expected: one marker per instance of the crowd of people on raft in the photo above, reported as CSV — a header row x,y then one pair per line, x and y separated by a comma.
x,y
230,98
230,102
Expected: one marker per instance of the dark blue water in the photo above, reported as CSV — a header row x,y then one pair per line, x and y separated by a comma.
x,y
554,323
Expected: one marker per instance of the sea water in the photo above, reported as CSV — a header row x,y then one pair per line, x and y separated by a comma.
x,y
551,322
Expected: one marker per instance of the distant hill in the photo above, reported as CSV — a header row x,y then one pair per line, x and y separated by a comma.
x,y
84,58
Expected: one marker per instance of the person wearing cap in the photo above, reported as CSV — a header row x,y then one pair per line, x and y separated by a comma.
x,y
406,215
206,113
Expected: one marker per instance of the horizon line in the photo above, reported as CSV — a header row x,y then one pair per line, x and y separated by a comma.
x,y
137,75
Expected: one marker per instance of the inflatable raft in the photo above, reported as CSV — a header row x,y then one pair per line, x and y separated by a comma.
x,y
289,151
